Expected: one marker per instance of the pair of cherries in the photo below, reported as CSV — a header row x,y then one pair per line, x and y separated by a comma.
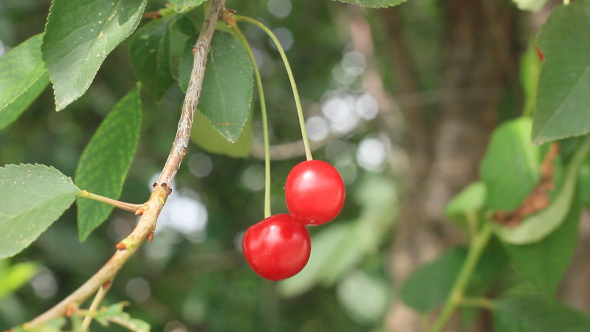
x,y
279,246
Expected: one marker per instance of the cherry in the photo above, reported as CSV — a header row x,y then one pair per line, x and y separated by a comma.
x,y
277,247
314,192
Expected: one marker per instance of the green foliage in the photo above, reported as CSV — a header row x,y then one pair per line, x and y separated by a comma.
x,y
104,163
544,263
79,36
23,78
532,5
115,314
562,98
584,183
227,87
535,314
150,56
32,198
539,225
54,325
510,168
208,138
13,277
466,206
530,68
364,296
374,3
182,5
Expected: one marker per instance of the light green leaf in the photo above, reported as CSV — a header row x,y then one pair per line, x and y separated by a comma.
x,y
536,314
208,138
150,56
510,168
539,225
106,159
543,263
374,3
182,5
23,78
54,325
532,5
31,198
470,199
13,277
530,69
115,314
365,297
78,37
562,96
227,86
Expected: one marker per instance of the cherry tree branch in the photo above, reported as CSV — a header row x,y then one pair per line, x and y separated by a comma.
x,y
162,188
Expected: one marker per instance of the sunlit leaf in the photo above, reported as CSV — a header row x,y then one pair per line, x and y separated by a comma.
x,y
13,277
208,138
106,159
78,37
32,197
23,78
182,5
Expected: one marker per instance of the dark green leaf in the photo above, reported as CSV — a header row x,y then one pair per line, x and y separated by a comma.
x,y
227,86
23,78
13,277
185,63
510,168
539,225
182,5
374,3
186,26
150,56
430,284
536,314
208,138
78,37
543,263
532,5
105,161
563,98
32,197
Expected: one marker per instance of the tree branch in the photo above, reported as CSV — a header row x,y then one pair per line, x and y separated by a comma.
x,y
162,189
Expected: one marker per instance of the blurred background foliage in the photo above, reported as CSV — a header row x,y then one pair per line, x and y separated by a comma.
x,y
193,277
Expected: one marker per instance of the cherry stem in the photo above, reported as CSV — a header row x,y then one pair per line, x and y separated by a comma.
x,y
291,79
113,202
240,36
93,307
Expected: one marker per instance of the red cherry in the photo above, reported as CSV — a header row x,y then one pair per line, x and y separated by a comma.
x,y
314,192
277,247
540,54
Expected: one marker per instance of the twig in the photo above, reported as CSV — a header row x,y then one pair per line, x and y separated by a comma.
x,y
162,188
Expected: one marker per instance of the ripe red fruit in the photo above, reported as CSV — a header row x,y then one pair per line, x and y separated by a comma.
x,y
277,247
540,54
314,192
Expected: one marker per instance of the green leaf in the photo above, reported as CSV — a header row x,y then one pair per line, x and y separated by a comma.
x,y
208,138
182,5
544,263
78,37
23,78
562,96
227,86
365,297
186,26
31,198
374,3
13,277
115,314
429,285
54,325
536,314
150,56
584,183
467,206
530,69
510,168
105,161
539,225
532,5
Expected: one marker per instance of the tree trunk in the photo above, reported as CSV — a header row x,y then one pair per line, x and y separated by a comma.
x,y
447,143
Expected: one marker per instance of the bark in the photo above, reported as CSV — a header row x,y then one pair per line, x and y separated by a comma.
x,y
447,143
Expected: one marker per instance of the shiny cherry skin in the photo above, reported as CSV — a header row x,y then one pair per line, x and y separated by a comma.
x,y
314,192
277,247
